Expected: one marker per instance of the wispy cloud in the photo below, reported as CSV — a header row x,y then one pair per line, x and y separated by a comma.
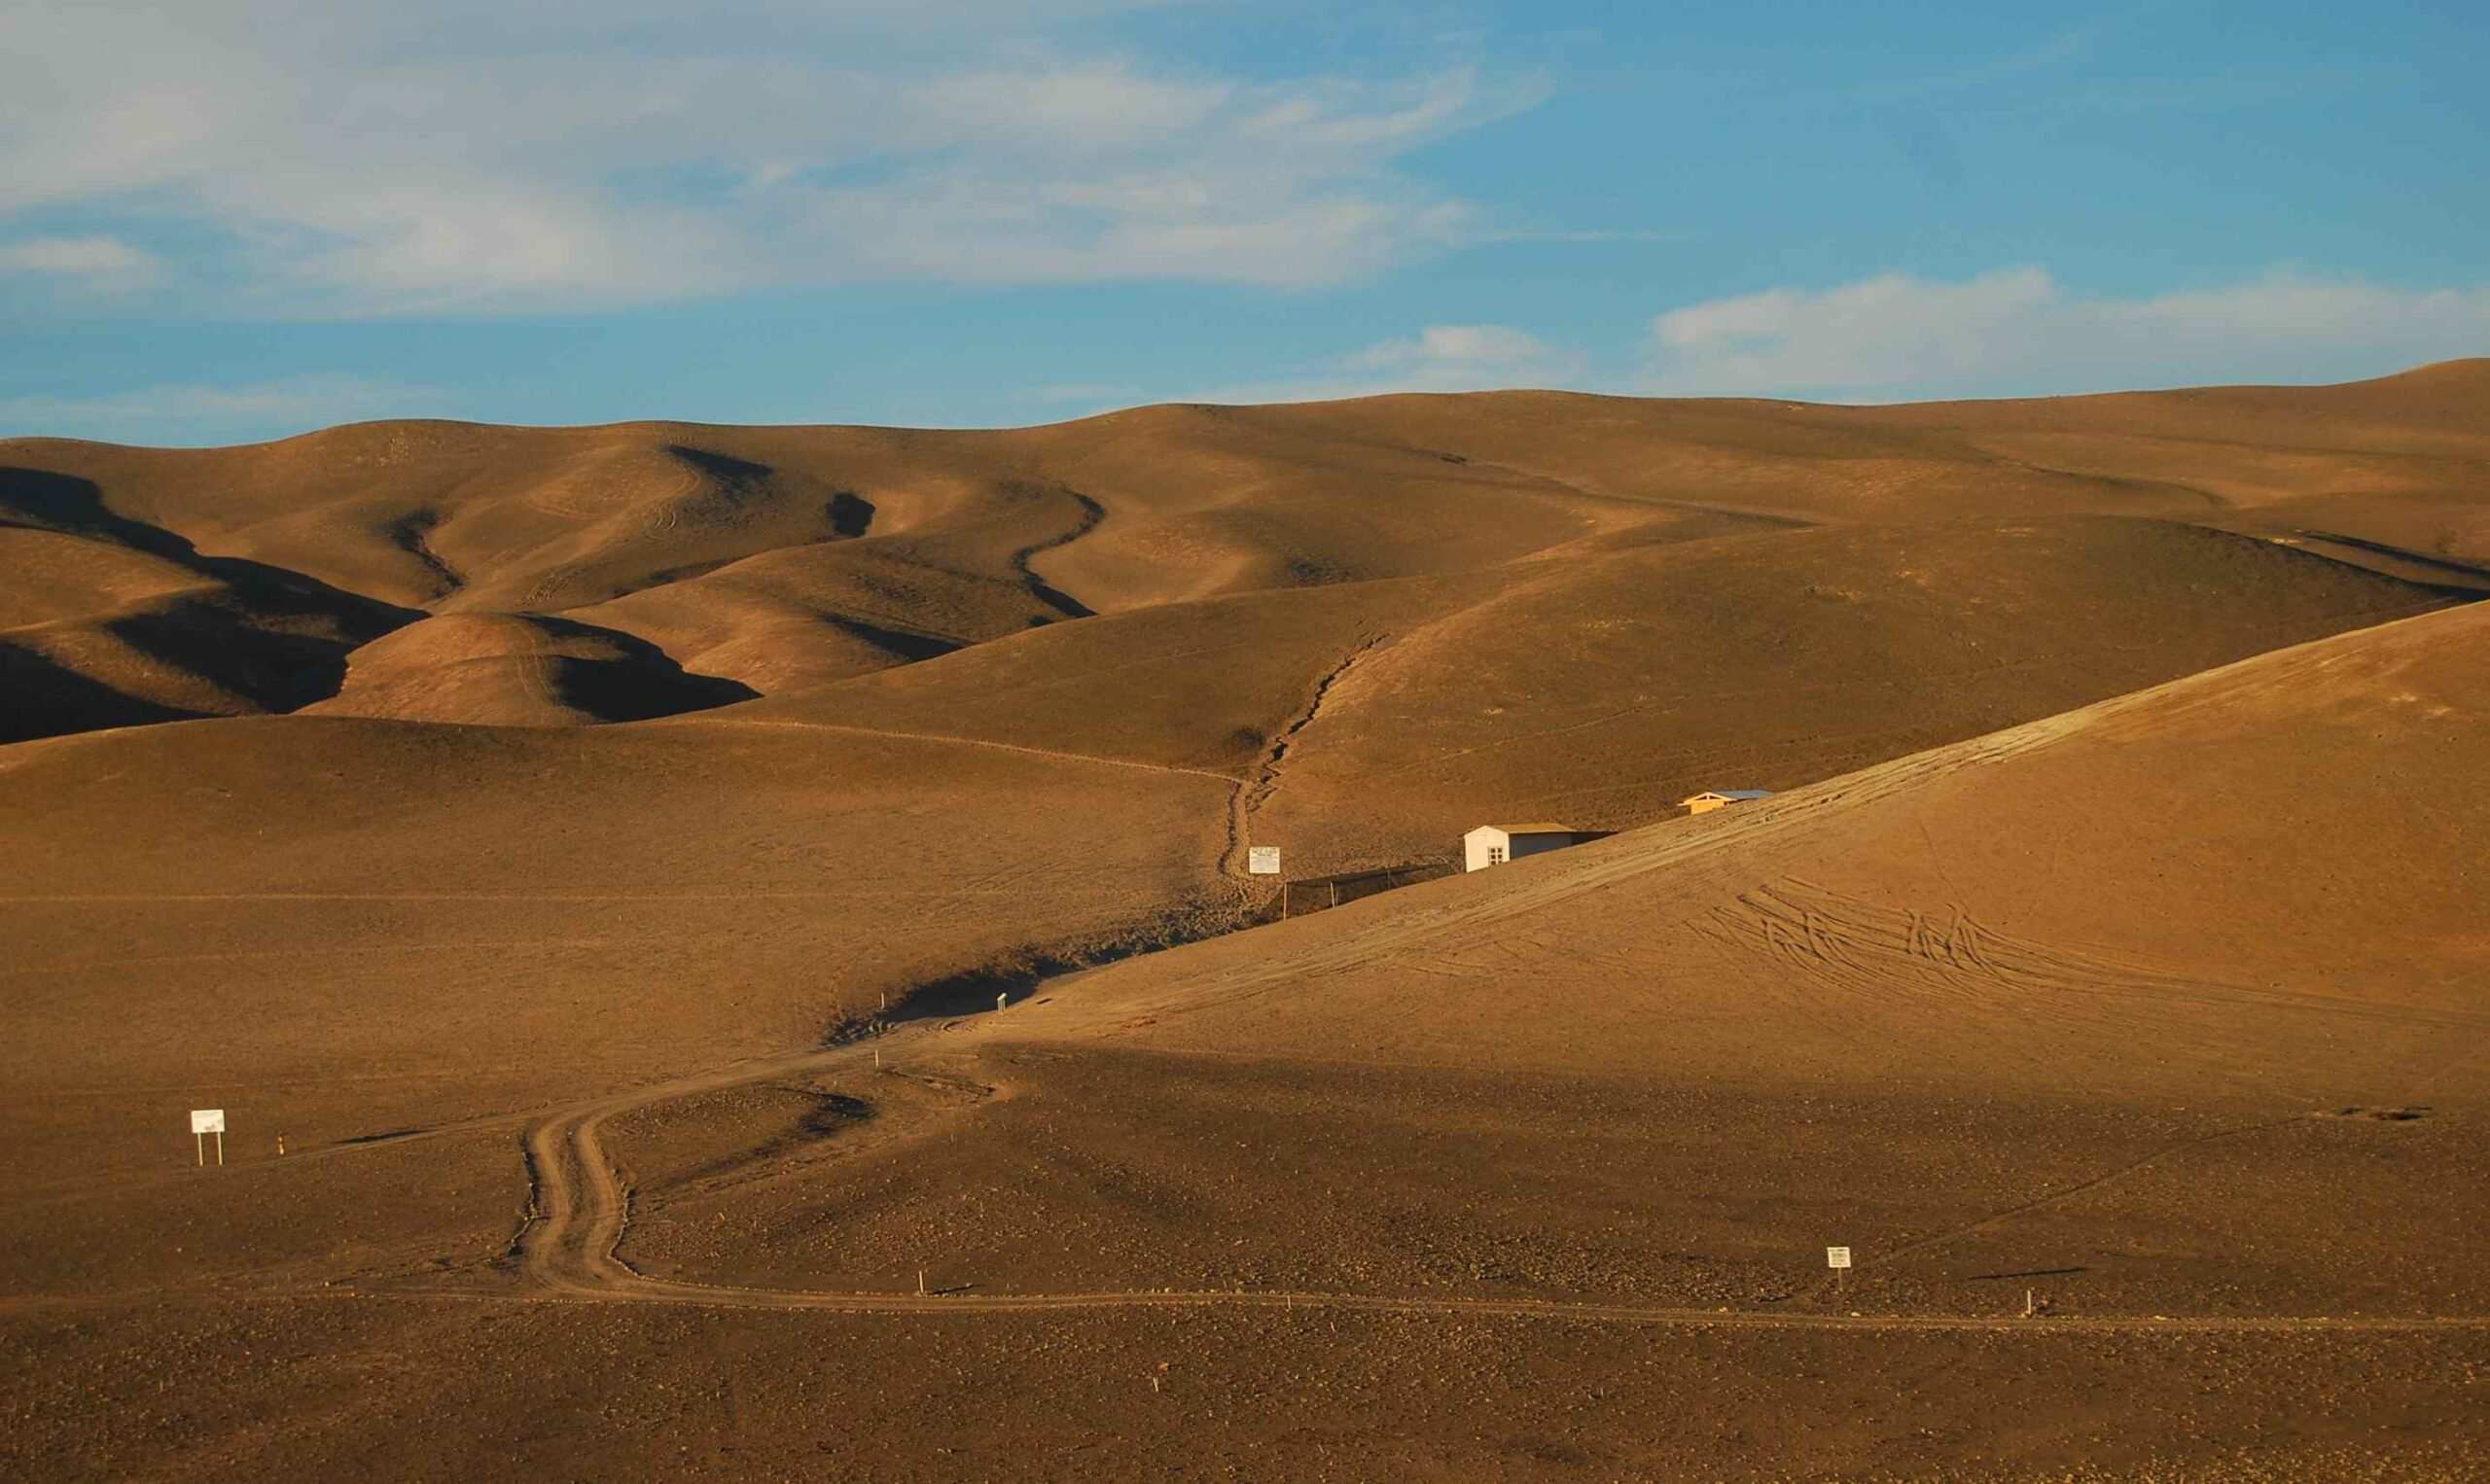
x,y
358,156
1101,394
2017,331
95,263
206,413
1594,234
1440,357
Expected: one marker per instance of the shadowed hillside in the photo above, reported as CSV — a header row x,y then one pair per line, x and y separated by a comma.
x,y
504,670
785,559
2174,1001
767,908
107,620
1601,689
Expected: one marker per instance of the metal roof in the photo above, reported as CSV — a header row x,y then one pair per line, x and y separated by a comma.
x,y
1737,793
1541,829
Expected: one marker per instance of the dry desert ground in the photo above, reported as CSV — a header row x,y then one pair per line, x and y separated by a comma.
x,y
598,853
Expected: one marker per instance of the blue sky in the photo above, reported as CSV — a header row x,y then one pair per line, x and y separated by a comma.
x,y
225,220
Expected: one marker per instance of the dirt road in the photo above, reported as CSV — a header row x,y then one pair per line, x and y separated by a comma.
x,y
580,1210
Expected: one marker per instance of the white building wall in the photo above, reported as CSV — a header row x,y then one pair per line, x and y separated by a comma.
x,y
1477,843
1478,846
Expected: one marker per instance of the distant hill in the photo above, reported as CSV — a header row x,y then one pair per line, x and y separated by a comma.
x,y
743,937
780,559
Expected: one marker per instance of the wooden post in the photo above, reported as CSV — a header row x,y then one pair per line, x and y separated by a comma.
x,y
920,1282
1001,998
219,1148
201,1139
1283,901
1335,894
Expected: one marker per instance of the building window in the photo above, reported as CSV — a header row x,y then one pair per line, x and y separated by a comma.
x,y
1495,855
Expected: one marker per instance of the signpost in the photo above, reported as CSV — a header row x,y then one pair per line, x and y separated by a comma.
x,y
204,1122
1838,1259
1264,861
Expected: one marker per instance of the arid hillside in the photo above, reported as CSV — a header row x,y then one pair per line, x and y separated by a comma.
x,y
2174,894
157,584
745,937
2075,1004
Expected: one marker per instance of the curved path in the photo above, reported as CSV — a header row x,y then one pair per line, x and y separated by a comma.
x,y
580,1208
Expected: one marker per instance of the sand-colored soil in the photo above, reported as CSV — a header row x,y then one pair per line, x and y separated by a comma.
x,y
614,931
780,558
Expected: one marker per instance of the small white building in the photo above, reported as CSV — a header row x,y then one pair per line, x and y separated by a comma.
x,y
1495,844
1721,798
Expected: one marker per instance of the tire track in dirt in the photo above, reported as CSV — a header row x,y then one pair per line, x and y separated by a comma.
x,y
1584,871
105,618
579,1211
1890,953
1652,712
1004,747
2064,1193
656,517
579,1207
1593,868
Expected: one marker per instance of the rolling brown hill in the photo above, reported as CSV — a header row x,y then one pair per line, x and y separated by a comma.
x,y
2099,900
782,558
2113,938
1601,689
2076,1003
519,670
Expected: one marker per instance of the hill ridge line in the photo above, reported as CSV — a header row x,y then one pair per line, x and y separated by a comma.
x,y
1636,851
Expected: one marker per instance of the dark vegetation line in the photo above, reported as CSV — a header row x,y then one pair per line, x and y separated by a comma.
x,y
1019,973
1064,603
412,532
1267,780
2474,579
1246,798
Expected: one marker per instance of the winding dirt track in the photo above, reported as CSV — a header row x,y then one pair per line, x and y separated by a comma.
x,y
580,1208
568,1251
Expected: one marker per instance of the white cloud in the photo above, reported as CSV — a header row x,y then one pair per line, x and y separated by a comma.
x,y
1451,353
2019,332
1099,394
1440,357
2015,332
215,413
362,156
99,263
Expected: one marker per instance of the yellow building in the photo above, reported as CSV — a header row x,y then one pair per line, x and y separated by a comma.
x,y
1721,798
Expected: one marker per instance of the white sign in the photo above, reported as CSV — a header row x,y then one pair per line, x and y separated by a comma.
x,y
1263,861
208,1120
1837,1257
